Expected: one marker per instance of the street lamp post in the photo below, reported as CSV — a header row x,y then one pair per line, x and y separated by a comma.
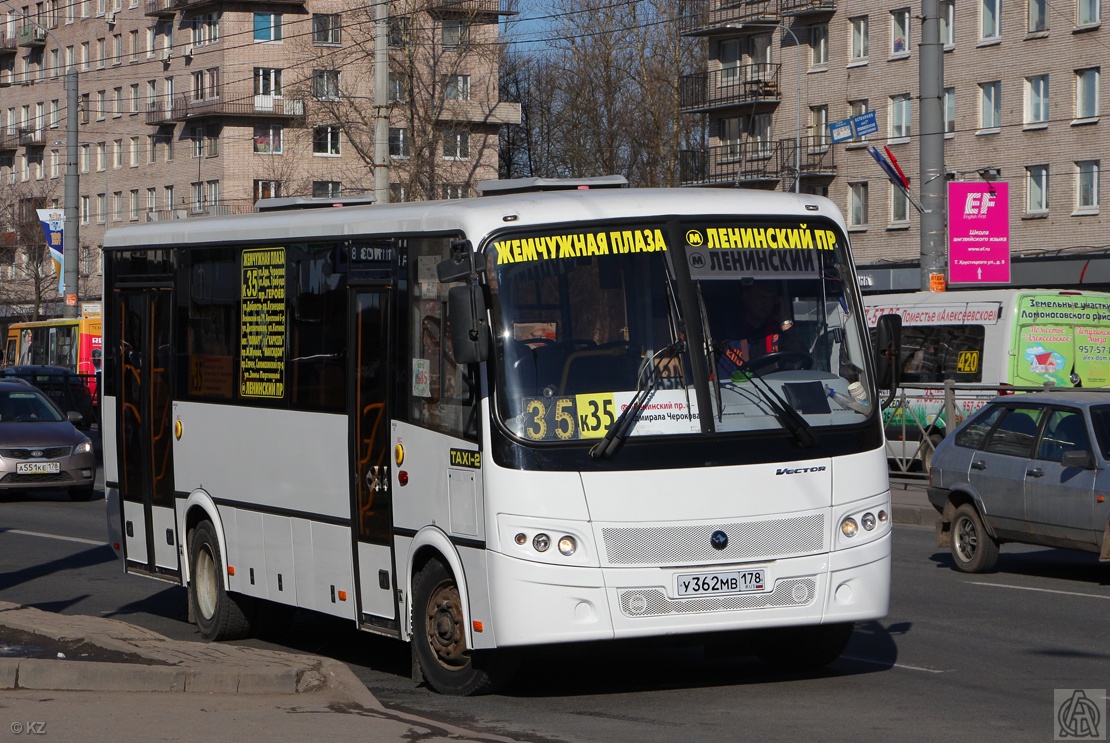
x,y
71,194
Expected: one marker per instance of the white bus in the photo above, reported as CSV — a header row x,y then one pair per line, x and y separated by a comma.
x,y
486,424
992,338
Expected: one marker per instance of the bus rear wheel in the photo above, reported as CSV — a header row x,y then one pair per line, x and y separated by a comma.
x,y
219,615
439,639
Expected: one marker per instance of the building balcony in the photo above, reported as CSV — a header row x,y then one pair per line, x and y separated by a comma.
x,y
716,17
8,44
9,139
230,101
731,86
31,35
480,112
467,8
750,163
797,8
161,8
816,157
192,211
32,137
248,4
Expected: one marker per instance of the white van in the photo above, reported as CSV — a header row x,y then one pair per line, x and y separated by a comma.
x,y
1018,337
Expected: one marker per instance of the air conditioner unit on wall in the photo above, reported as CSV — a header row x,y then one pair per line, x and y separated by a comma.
x,y
110,17
188,50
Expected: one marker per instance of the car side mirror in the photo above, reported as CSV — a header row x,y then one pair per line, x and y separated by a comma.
x,y
1077,459
74,417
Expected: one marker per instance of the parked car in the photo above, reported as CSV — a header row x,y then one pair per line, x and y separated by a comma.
x,y
68,389
1033,469
39,446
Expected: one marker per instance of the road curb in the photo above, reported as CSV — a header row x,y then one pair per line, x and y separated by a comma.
x,y
914,515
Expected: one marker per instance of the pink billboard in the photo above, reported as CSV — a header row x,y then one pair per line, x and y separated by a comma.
x,y
978,232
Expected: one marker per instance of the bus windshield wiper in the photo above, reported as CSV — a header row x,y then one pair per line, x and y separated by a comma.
x,y
622,426
789,418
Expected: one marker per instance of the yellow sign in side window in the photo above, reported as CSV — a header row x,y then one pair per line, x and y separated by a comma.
x,y
967,362
262,331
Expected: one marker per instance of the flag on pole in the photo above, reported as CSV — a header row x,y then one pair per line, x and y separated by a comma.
x,y
897,167
53,225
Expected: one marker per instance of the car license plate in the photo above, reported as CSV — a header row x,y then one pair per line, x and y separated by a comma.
x,y
37,468
716,584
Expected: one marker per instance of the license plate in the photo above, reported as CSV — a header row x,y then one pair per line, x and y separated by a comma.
x,y
716,584
38,468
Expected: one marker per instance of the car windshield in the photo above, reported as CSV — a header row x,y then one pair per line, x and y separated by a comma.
x,y
1100,417
583,319
27,406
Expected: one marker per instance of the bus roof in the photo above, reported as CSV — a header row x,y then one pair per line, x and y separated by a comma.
x,y
475,217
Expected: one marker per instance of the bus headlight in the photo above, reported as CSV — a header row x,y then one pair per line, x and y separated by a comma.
x,y
567,545
868,521
849,527
541,542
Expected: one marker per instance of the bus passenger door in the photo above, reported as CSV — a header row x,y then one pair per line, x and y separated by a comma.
x,y
370,456
144,411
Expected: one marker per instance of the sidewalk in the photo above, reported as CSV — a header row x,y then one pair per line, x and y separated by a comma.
x,y
910,504
168,690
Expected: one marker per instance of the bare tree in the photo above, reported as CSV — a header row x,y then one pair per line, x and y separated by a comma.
x,y
33,281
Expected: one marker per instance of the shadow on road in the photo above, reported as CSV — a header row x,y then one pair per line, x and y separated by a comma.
x,y
1038,562
85,558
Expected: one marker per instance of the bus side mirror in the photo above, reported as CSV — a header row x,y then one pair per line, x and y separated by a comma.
x,y
466,308
888,352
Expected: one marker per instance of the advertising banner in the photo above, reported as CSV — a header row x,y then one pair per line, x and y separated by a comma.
x,y
978,232
53,223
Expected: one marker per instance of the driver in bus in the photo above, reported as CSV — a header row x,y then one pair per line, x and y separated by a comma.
x,y
764,329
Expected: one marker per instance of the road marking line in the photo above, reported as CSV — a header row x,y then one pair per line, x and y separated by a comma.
x,y
892,665
52,536
1041,590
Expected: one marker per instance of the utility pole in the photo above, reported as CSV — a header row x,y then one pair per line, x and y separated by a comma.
x,y
930,76
381,102
70,231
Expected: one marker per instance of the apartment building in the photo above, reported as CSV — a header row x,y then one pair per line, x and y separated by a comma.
x,y
191,108
1022,105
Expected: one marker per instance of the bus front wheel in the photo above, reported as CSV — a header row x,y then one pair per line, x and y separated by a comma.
x,y
439,639
219,615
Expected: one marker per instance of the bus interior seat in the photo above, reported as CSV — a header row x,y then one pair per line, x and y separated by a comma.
x,y
600,370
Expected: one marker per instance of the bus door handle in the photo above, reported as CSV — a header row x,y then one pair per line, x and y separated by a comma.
x,y
1035,472
979,465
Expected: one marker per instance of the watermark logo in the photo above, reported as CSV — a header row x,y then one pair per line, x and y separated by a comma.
x,y
1080,714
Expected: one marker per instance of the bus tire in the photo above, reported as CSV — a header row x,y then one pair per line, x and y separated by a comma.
x,y
439,639
973,549
219,615
804,648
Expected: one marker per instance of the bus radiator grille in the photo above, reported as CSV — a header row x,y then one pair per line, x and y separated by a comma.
x,y
690,545
653,602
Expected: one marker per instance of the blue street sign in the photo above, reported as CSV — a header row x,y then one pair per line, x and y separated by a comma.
x,y
840,131
865,124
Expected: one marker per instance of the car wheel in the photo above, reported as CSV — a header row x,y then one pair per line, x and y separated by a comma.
x,y
219,614
83,493
804,648
926,452
439,639
973,549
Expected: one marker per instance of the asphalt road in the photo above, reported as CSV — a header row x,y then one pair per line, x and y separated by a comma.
x,y
964,657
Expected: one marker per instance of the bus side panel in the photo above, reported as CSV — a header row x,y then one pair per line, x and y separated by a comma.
x,y
134,526
329,554
375,599
164,521
109,425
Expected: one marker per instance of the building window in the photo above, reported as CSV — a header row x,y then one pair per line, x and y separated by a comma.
x,y
398,142
899,206
819,45
859,40
134,213
400,32
900,32
85,158
267,139
990,27
84,210
167,196
457,88
117,154
1088,12
1036,99
398,87
326,189
990,105
857,204
1086,186
454,191
858,108
455,34
268,190
949,110
325,29
456,145
728,54
325,140
396,193
1086,93
900,116
1038,16
136,152
101,208
819,128
267,26
325,85
152,199
267,81
1036,189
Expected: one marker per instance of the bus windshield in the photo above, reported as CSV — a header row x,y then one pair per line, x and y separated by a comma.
x,y
585,319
